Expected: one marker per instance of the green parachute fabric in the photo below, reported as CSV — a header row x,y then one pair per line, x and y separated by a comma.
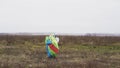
x,y
51,46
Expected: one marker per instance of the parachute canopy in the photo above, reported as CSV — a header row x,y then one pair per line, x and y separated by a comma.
x,y
51,45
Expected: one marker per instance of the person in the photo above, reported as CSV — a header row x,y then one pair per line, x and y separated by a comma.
x,y
52,47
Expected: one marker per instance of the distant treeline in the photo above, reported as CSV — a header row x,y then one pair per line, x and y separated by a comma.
x,y
40,39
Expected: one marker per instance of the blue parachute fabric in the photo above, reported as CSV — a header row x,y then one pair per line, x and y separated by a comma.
x,y
48,52
47,44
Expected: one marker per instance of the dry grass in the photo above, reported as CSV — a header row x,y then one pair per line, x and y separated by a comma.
x,y
29,52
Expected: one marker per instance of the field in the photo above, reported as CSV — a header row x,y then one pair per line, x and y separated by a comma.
x,y
75,52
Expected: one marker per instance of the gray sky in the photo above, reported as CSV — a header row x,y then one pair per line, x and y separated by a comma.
x,y
64,16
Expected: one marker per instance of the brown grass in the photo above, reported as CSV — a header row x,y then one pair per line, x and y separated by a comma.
x,y
75,52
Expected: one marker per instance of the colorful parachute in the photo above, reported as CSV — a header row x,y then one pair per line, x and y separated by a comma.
x,y
51,46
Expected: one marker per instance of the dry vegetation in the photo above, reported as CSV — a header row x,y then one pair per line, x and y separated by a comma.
x,y
75,52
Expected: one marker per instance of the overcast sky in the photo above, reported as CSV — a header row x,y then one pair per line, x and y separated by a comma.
x,y
63,16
